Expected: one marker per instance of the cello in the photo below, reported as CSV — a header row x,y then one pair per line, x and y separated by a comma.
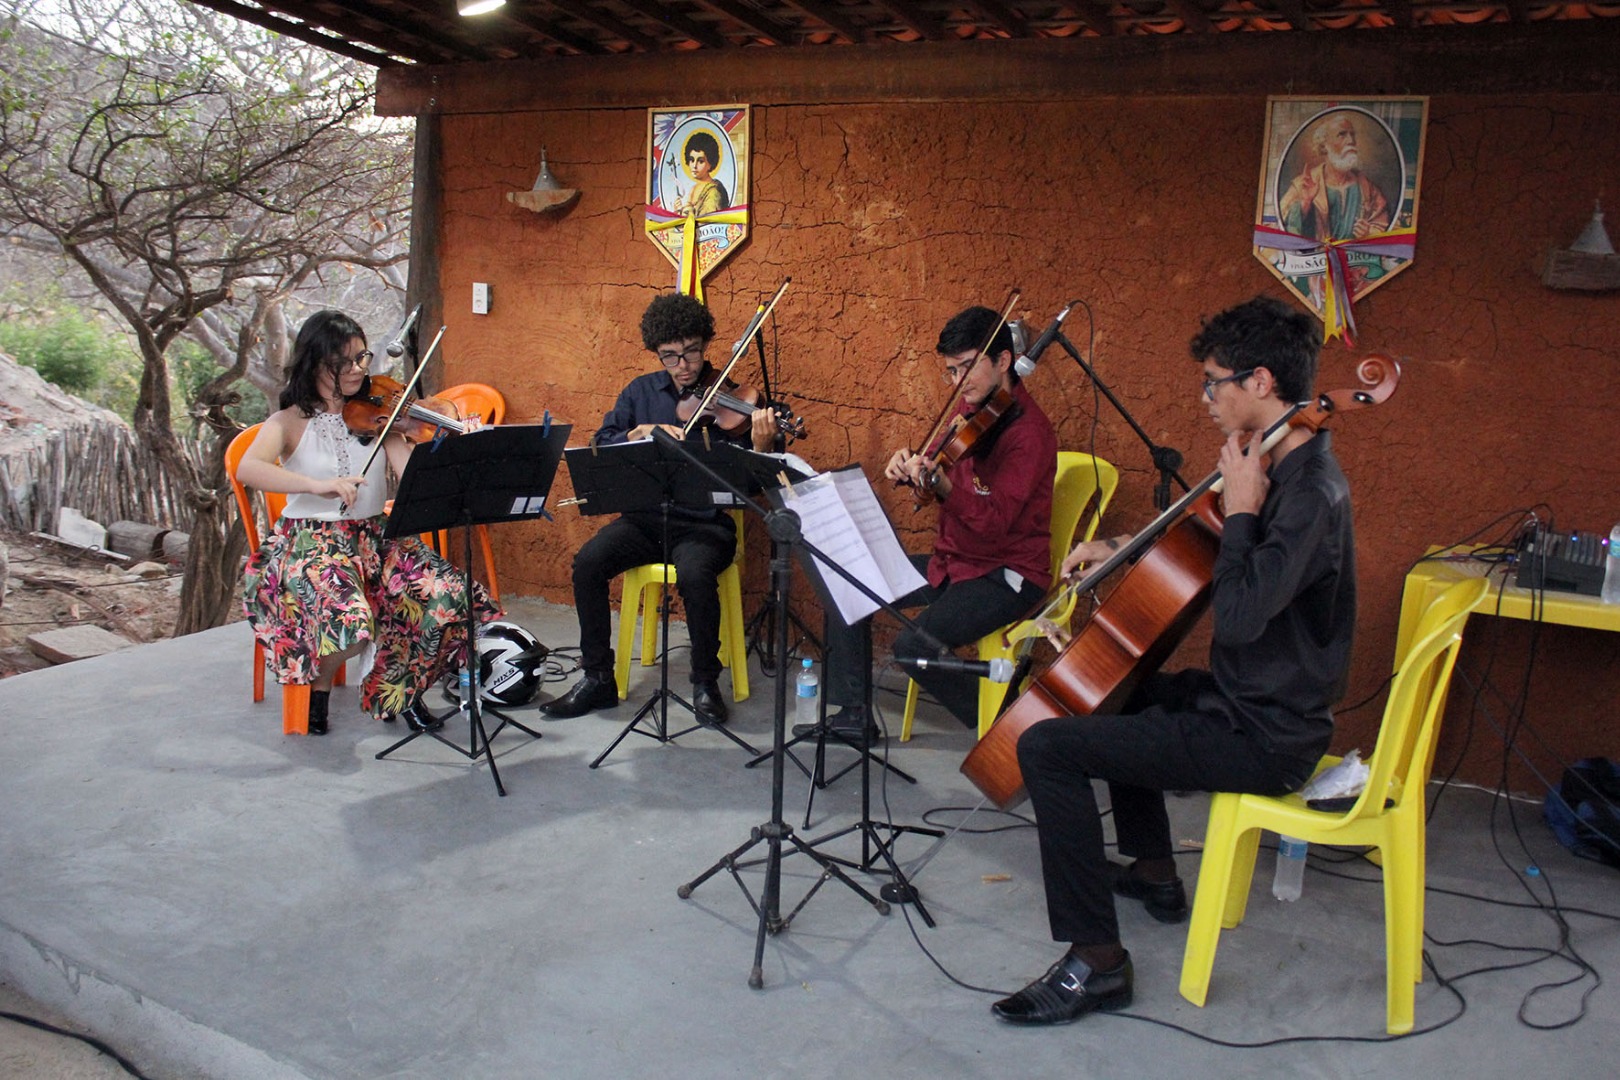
x,y
1155,604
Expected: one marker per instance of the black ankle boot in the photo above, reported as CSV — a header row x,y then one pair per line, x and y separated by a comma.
x,y
318,702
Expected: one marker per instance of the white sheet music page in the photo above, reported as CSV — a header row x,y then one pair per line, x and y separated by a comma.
x,y
840,515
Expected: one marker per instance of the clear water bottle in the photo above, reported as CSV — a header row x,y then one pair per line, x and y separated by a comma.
x,y
1611,569
466,684
805,710
1289,879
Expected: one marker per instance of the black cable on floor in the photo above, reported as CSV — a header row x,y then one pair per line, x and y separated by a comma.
x,y
88,1040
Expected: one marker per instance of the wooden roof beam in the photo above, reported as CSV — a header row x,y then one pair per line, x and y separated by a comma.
x,y
832,18
754,20
708,37
1192,15
1002,17
911,17
608,24
1094,15
378,54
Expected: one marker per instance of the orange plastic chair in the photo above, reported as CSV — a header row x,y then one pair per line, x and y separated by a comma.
x,y
644,590
294,699
1081,481
1389,816
476,399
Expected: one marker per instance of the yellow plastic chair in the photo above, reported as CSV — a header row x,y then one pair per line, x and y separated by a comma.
x,y
476,399
644,589
1079,478
1389,816
294,699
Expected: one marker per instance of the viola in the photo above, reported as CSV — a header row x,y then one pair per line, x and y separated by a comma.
x,y
731,407
1154,605
368,413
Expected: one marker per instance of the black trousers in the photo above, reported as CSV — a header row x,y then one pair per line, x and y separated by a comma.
x,y
699,550
957,613
1166,743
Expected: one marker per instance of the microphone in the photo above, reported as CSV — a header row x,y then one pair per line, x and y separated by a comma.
x,y
396,347
998,670
1026,361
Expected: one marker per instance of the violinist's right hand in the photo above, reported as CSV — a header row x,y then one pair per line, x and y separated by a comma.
x,y
1090,551
341,488
644,431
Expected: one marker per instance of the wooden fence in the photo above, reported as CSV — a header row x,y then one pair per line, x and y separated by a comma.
x,y
101,470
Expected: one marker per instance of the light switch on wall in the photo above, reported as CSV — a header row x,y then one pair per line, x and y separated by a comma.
x,y
480,298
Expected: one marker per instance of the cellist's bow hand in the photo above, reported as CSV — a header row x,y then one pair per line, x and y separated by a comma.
x,y
1244,482
1053,632
1090,551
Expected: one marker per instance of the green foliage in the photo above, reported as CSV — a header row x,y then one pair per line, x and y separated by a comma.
x,y
65,347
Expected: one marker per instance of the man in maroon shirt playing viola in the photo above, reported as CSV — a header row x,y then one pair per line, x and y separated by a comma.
x,y
992,562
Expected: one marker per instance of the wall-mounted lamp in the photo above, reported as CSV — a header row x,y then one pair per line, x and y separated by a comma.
x,y
547,195
478,7
1589,264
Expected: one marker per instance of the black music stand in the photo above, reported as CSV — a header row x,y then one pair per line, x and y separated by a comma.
x,y
642,476
489,476
782,526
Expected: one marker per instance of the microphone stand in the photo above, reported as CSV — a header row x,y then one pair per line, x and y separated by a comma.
x,y
1166,459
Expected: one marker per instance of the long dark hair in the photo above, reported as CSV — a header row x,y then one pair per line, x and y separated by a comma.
x,y
319,345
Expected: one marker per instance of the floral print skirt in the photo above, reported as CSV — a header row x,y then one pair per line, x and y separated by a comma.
x,y
320,587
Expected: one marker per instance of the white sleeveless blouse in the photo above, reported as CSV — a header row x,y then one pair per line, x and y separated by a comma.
x,y
329,449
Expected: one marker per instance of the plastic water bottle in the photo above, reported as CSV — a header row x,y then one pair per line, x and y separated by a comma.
x,y
1611,569
1289,879
466,684
805,709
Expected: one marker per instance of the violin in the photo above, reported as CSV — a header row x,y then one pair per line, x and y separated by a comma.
x,y
1155,604
731,408
372,413
968,432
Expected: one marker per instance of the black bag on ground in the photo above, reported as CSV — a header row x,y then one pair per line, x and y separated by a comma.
x,y
1583,812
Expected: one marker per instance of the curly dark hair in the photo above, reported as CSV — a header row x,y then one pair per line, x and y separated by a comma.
x,y
707,143
319,344
675,317
967,329
1264,332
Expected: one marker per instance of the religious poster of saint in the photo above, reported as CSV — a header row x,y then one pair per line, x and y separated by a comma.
x,y
697,187
1338,207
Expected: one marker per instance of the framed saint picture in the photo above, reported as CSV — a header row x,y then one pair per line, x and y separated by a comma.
x,y
697,187
1337,211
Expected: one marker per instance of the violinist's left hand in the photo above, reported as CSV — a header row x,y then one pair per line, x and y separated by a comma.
x,y
1245,482
763,430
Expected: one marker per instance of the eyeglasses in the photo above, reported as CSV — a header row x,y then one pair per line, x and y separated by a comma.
x,y
1211,384
953,373
692,355
358,363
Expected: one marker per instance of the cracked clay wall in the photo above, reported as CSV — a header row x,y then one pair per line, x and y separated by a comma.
x,y
890,218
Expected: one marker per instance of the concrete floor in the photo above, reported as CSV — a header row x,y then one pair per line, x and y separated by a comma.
x,y
218,900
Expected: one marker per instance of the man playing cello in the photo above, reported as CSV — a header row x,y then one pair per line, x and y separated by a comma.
x,y
1283,594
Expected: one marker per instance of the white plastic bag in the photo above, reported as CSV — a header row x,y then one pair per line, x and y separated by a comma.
x,y
1346,778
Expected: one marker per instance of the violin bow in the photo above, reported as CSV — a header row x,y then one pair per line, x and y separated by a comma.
x,y
956,394
736,354
404,396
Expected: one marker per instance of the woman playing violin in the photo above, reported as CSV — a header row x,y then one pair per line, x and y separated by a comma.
x,y
325,584
992,559
1283,598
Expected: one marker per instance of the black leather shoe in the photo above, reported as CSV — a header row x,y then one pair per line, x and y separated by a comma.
x,y
707,703
319,701
1068,991
1164,900
418,718
592,692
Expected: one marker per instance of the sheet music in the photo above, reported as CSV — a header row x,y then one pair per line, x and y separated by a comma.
x,y
841,516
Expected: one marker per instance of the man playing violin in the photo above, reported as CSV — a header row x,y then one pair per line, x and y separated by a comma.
x,y
992,559
1283,597
677,330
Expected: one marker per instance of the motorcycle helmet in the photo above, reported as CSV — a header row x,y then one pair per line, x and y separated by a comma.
x,y
510,663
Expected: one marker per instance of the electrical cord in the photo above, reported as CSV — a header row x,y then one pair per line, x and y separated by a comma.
x,y
88,1040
